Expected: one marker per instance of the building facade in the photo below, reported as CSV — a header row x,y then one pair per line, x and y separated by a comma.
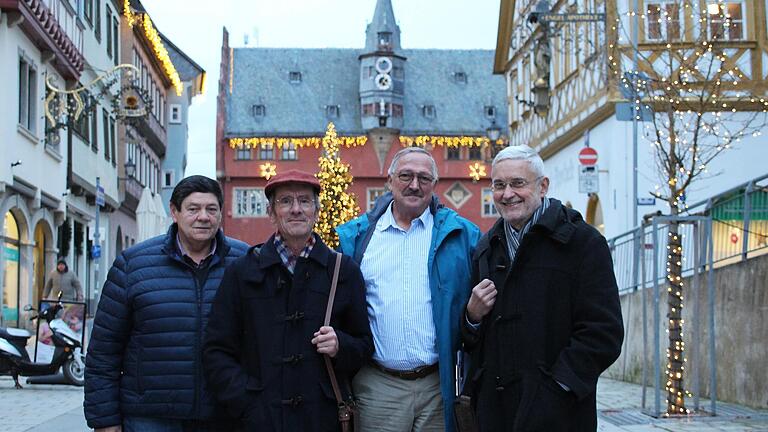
x,y
141,214
584,92
92,146
193,79
39,41
73,134
274,106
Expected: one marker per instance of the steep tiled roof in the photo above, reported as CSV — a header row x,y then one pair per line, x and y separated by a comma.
x,y
261,76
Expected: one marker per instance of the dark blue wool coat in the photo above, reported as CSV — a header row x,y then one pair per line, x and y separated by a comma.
x,y
144,357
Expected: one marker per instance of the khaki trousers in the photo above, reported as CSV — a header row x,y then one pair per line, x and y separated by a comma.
x,y
390,404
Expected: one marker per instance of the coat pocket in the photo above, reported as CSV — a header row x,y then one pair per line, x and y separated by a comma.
x,y
549,407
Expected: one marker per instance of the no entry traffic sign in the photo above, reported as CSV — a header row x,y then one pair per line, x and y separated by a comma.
x,y
588,156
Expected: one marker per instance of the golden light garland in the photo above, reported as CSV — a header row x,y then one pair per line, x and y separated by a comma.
x,y
697,85
152,35
268,170
446,141
280,142
336,205
477,171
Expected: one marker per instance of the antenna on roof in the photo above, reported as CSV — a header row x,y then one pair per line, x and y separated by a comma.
x,y
245,39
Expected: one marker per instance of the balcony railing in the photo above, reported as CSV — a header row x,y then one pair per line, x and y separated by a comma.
x,y
55,28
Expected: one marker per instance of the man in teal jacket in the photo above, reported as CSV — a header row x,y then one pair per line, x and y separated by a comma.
x,y
415,256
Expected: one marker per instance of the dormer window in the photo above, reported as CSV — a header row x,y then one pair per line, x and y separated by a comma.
x,y
490,112
385,39
428,111
332,111
460,77
259,110
294,77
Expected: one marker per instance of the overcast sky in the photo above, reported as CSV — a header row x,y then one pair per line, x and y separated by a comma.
x,y
443,24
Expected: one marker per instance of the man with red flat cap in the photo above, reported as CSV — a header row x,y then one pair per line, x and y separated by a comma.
x,y
265,341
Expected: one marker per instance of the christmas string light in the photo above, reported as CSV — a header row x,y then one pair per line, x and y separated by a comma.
x,y
280,142
336,205
156,43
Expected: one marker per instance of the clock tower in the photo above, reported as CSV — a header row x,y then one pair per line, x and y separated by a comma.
x,y
382,80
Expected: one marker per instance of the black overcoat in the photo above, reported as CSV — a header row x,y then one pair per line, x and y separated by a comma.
x,y
556,318
258,357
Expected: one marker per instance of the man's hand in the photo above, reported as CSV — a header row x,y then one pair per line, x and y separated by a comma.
x,y
326,341
481,301
117,428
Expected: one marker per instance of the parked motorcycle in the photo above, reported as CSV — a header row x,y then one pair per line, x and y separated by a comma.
x,y
67,354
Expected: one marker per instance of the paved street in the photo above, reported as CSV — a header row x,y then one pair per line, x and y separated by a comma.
x,y
59,408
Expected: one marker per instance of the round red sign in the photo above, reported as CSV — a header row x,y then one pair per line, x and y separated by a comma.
x,y
588,156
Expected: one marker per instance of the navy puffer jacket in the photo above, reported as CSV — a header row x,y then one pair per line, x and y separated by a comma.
x,y
144,357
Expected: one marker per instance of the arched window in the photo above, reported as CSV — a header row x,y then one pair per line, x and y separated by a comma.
x,y
10,293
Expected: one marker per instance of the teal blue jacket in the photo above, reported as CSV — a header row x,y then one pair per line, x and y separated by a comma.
x,y
450,267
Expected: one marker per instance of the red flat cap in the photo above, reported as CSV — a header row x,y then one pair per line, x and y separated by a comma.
x,y
292,176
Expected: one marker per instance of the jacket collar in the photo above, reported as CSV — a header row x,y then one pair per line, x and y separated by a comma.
x,y
269,255
557,223
171,248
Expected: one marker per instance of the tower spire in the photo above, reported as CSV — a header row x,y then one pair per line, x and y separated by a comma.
x,y
383,33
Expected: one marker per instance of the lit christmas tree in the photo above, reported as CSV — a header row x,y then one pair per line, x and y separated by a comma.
x,y
336,205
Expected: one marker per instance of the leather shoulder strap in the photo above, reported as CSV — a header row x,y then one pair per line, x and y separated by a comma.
x,y
328,309
332,294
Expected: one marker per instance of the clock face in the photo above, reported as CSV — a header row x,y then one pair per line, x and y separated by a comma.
x,y
383,65
383,81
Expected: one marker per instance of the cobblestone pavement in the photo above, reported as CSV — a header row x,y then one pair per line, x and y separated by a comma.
x,y
41,407
619,408
60,408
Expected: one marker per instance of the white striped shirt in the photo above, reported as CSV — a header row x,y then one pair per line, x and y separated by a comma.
x,y
397,292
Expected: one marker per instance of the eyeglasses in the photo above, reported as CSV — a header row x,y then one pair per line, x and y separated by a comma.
x,y
407,178
515,183
286,202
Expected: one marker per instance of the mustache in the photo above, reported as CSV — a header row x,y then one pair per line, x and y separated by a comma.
x,y
412,192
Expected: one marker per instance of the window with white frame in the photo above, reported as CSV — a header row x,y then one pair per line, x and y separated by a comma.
x,y
168,179
243,153
27,94
489,209
249,202
725,20
175,116
373,195
267,151
108,40
289,151
662,20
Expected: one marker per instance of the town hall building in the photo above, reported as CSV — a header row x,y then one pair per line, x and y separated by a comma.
x,y
274,105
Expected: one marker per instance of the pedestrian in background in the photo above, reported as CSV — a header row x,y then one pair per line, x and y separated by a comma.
x,y
64,281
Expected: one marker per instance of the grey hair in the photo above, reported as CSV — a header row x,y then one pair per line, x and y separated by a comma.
x,y
521,152
409,150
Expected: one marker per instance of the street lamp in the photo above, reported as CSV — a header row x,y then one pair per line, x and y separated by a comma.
x,y
493,132
130,170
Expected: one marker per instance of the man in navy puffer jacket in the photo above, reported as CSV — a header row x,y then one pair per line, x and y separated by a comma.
x,y
143,369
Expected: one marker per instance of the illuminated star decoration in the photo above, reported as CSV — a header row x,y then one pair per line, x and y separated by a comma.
x,y
268,170
476,171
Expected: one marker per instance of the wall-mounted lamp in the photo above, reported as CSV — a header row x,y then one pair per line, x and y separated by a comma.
x,y
15,164
130,170
493,132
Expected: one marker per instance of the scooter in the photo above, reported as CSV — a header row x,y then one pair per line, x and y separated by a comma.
x,y
67,354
